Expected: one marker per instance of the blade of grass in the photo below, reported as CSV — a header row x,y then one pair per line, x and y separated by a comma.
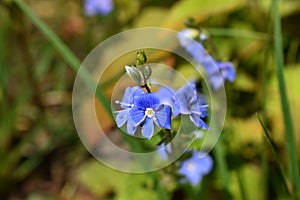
x,y
221,164
74,63
65,52
272,145
289,132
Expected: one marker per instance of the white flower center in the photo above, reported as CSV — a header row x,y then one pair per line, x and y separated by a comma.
x,y
191,166
149,112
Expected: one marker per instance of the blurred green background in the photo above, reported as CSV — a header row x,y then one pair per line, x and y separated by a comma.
x,y
41,156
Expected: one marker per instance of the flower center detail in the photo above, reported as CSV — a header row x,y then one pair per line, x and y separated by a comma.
x,y
149,112
191,166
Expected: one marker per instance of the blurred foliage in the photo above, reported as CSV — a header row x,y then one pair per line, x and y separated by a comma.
x,y
41,156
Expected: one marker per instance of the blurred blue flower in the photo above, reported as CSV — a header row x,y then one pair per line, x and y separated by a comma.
x,y
227,70
98,7
217,72
164,150
148,109
127,103
194,168
192,104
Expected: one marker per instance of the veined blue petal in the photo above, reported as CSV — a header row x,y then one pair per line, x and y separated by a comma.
x,y
167,96
148,128
131,126
137,115
121,117
147,100
187,97
129,95
196,119
163,116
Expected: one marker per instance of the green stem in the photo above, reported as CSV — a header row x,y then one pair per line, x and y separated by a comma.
x,y
221,164
289,132
272,145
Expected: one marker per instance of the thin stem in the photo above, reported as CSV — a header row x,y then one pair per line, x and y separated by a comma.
x,y
289,132
147,88
272,145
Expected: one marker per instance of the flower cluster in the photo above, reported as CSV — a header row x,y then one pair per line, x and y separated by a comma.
x,y
217,71
97,7
147,109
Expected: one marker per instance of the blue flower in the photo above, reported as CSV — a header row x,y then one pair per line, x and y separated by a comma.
x,y
128,103
167,97
95,7
194,168
217,72
148,109
192,104
227,70
164,151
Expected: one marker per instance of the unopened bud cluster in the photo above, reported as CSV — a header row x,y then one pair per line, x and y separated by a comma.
x,y
140,73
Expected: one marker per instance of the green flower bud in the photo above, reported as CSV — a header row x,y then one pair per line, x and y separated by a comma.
x,y
141,58
146,71
134,73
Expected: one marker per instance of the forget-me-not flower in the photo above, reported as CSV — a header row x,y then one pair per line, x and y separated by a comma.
x,y
148,109
217,72
98,7
127,103
194,168
190,103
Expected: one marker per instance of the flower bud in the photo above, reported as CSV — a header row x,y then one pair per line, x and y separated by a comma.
x,y
141,58
146,71
134,73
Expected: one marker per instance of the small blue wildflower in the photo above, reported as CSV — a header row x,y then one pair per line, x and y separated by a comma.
x,y
194,168
217,72
227,70
186,36
128,103
98,7
190,103
164,151
148,109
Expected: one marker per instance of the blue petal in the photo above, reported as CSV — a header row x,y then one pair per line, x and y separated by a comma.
x,y
187,97
164,151
190,170
121,117
216,80
137,115
195,118
129,95
148,128
167,97
205,163
227,70
163,116
131,126
146,100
